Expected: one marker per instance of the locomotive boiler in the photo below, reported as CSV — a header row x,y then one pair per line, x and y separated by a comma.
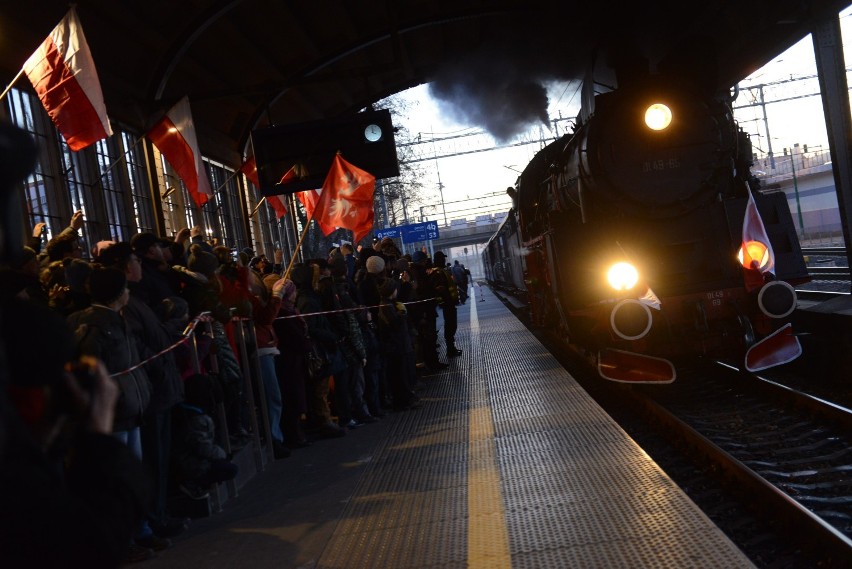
x,y
642,236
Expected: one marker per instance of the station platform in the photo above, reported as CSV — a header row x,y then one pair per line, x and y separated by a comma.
x,y
509,463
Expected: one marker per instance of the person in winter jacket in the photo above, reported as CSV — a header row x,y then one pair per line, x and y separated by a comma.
x,y
101,331
308,302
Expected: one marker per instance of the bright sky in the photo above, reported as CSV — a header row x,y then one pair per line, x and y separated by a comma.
x,y
793,121
476,175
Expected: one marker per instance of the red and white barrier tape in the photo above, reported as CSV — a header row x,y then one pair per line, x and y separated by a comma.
x,y
349,309
203,317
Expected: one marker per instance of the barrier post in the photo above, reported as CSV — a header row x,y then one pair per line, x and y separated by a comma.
x,y
216,501
224,435
261,392
239,331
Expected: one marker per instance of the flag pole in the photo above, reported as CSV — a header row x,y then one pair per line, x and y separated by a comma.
x,y
100,182
298,246
231,177
257,207
123,156
9,87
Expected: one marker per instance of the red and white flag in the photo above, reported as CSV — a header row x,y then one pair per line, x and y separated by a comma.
x,y
758,257
63,75
346,199
174,136
278,203
249,168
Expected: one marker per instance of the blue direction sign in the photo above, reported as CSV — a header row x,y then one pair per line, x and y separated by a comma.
x,y
391,232
411,233
425,231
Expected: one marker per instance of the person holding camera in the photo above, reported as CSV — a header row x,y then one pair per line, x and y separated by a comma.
x,y
71,494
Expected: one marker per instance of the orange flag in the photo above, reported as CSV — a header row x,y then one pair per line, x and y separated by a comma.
x,y
174,136
309,199
346,199
63,75
278,203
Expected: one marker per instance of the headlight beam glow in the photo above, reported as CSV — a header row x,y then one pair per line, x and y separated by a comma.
x,y
658,116
622,276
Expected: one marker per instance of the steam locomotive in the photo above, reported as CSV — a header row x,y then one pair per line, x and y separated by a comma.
x,y
643,238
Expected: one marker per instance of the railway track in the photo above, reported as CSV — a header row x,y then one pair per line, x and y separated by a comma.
x,y
787,453
772,467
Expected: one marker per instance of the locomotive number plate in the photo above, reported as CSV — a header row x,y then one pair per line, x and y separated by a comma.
x,y
714,297
659,165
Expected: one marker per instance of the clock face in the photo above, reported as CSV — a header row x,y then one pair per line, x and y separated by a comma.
x,y
372,133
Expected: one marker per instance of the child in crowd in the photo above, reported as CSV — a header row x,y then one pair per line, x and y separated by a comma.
x,y
199,461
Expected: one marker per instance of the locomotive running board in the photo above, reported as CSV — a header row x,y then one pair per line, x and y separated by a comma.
x,y
778,348
630,367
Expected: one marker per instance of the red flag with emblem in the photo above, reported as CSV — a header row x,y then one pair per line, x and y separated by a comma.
x,y
63,75
757,255
278,203
346,199
309,199
174,136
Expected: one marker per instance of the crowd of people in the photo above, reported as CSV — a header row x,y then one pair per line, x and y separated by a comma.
x,y
340,341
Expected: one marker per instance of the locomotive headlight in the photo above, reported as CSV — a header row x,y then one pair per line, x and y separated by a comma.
x,y
622,276
658,116
757,251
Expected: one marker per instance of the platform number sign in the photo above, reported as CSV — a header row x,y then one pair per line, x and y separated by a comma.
x,y
431,230
412,233
425,231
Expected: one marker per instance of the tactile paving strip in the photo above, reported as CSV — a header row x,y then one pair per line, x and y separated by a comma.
x,y
576,491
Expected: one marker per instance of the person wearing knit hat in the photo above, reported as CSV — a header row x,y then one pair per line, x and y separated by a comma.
x,y
375,265
200,261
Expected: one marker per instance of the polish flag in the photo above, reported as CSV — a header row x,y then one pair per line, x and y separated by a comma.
x,y
249,168
758,257
174,136
63,75
278,203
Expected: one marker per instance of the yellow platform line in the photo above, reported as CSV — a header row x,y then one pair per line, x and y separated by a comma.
x,y
487,532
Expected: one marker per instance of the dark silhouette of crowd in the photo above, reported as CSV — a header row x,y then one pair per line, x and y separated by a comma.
x,y
121,416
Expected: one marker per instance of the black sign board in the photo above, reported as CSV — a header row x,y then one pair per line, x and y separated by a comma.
x,y
307,149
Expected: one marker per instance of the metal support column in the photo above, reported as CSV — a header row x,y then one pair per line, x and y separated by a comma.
x,y
831,68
